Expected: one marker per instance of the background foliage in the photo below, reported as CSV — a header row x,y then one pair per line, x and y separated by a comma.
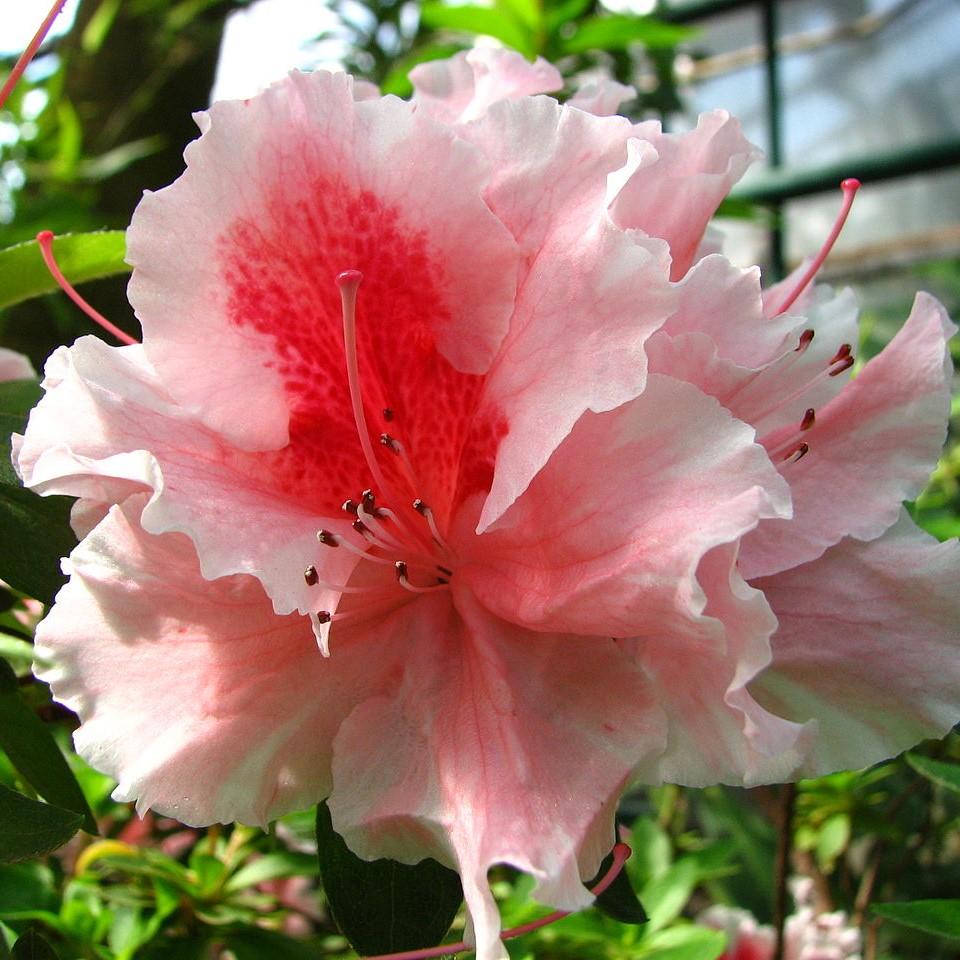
x,y
104,114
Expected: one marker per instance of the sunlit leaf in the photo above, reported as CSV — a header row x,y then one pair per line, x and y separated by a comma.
x,y
28,743
939,917
82,256
619,31
382,906
478,20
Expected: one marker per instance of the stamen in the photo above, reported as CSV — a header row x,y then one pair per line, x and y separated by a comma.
x,y
329,539
621,852
797,453
809,419
45,240
427,515
806,338
842,353
311,576
32,47
849,188
349,506
788,447
404,581
387,414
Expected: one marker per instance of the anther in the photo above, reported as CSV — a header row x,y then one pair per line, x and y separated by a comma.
x,y
389,443
328,539
842,353
806,338
846,364
401,569
349,506
387,414
797,453
324,616
809,419
361,528
311,576
369,498
849,187
45,242
445,570
420,507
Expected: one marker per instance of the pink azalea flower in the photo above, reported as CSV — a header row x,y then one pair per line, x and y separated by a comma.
x,y
14,366
590,437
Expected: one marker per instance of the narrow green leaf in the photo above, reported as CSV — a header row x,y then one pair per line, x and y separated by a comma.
x,y
272,866
30,829
82,256
31,946
619,31
668,894
28,743
688,942
382,906
944,774
939,917
619,900
478,20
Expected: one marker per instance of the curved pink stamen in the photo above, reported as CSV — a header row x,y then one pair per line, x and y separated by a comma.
x,y
45,240
849,187
24,61
621,852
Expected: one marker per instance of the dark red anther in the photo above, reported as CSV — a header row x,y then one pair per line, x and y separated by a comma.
x,y
327,538
311,576
368,498
349,506
809,419
360,527
324,616
798,452
806,338
846,364
445,570
442,580
387,414
401,568
420,507
842,353
389,443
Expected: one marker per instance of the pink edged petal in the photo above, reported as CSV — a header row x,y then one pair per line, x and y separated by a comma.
x,y
464,87
496,745
872,447
867,646
578,345
674,197
602,97
607,538
717,732
106,428
15,366
283,192
194,695
725,303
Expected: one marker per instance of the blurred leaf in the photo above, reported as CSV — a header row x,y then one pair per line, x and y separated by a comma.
x,y
98,26
398,83
257,944
688,942
619,31
665,896
619,900
832,839
527,12
382,906
28,743
17,399
478,20
944,774
26,886
81,256
272,867
939,917
652,850
31,829
31,946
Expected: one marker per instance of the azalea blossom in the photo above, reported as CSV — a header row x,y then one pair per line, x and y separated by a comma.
x,y
459,480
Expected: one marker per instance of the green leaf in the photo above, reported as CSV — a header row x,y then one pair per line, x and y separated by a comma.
x,y
619,900
939,917
271,867
31,946
619,31
82,256
668,894
944,774
28,743
31,829
17,399
478,20
832,839
688,942
254,943
382,906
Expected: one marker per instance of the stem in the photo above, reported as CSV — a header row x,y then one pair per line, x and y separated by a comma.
x,y
30,52
788,800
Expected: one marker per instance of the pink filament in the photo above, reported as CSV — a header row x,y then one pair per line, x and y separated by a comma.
x,y
45,240
620,854
30,52
849,188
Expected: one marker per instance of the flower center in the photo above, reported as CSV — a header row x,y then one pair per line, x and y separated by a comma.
x,y
407,538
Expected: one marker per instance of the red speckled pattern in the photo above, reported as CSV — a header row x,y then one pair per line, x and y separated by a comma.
x,y
280,271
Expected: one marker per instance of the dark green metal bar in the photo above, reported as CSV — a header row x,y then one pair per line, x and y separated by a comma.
x,y
698,9
776,186
768,14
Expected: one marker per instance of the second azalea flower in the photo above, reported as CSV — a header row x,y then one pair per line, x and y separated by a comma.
x,y
478,344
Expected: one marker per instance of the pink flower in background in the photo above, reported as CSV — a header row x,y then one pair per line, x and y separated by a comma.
x,y
478,343
14,366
